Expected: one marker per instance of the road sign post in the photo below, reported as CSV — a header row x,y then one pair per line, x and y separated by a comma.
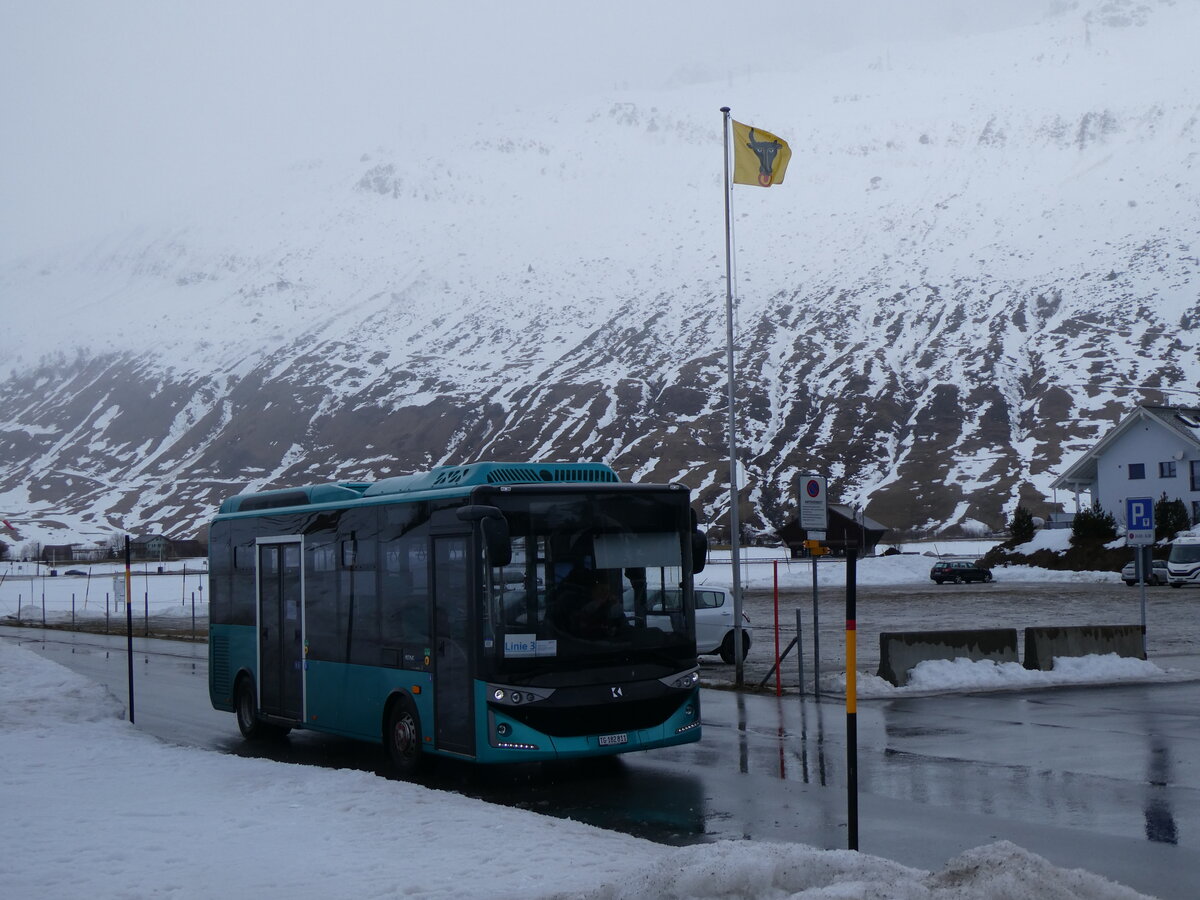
x,y
814,519
1139,534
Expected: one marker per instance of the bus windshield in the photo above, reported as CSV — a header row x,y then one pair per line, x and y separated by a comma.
x,y
594,579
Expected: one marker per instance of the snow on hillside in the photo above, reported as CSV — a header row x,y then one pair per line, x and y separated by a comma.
x,y
983,252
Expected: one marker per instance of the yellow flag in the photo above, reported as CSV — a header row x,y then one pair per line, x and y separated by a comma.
x,y
759,157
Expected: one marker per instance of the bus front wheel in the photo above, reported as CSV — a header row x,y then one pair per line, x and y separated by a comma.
x,y
402,737
245,704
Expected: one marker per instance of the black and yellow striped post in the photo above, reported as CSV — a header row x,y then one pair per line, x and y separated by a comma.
x,y
851,698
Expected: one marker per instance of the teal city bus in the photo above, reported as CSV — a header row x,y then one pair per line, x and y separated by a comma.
x,y
493,612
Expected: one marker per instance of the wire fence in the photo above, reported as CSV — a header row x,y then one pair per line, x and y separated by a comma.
x,y
164,600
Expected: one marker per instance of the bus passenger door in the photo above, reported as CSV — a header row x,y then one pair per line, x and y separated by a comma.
x,y
280,630
453,706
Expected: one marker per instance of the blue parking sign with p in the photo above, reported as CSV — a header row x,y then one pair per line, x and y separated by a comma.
x,y
1139,513
1139,520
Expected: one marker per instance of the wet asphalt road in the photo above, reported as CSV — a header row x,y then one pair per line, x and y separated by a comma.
x,y
1104,778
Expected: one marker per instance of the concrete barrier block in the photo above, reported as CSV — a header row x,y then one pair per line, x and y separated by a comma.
x,y
1043,644
900,651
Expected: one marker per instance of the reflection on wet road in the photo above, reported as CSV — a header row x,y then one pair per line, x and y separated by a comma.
x,y
1101,778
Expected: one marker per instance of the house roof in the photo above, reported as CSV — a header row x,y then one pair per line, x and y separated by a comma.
x,y
847,512
1181,420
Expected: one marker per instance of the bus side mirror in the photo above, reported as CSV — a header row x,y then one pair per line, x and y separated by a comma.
x,y
699,544
494,529
699,551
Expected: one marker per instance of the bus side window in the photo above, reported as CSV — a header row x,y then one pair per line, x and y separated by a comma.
x,y
404,598
359,593
245,565
320,599
415,604
220,573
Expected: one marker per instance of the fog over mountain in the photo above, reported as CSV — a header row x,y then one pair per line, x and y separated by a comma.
x,y
258,248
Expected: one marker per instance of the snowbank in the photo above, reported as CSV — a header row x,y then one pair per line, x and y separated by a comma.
x,y
96,809
939,676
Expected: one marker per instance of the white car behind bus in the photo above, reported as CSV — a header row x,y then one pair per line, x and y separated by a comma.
x,y
714,623
714,618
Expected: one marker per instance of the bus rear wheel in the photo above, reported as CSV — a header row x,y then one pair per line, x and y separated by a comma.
x,y
402,737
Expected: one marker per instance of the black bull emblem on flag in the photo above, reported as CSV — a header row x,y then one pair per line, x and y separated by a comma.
x,y
766,151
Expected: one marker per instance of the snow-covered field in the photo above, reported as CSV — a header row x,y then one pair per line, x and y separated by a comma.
x,y
179,589
171,591
94,808
760,566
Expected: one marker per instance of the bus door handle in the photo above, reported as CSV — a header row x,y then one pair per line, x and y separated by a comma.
x,y
441,648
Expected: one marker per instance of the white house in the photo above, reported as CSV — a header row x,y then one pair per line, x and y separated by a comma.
x,y
1154,450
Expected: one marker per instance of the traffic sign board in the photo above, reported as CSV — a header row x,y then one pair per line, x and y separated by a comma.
x,y
814,511
1139,520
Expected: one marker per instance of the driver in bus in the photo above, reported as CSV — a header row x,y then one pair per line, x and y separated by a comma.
x,y
602,614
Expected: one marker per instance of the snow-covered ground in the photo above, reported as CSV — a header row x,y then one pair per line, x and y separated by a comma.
x,y
939,676
94,808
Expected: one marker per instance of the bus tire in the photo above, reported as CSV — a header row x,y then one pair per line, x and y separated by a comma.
x,y
402,736
245,706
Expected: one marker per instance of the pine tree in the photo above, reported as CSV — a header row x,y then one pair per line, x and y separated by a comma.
x,y
1020,526
1094,525
1170,518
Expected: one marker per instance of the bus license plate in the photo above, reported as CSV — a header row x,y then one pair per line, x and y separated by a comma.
x,y
610,740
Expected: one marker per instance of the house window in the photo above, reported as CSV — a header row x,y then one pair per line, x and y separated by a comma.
x,y
1137,470
1196,474
1166,469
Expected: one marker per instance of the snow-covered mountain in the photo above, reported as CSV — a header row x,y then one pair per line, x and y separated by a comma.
x,y
986,250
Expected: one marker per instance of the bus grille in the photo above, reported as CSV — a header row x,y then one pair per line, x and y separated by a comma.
x,y
219,669
549,474
605,719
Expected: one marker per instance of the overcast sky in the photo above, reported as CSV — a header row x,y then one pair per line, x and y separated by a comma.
x,y
108,108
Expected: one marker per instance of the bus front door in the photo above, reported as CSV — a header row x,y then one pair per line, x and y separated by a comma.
x,y
453,706
280,631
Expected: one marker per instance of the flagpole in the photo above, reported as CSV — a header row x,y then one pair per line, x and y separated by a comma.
x,y
734,527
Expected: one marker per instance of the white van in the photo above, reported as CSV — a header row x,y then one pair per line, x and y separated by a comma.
x,y
1183,563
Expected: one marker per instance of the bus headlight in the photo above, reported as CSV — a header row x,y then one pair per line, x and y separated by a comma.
x,y
683,681
511,696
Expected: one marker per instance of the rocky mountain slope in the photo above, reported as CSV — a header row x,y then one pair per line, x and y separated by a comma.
x,y
985,251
